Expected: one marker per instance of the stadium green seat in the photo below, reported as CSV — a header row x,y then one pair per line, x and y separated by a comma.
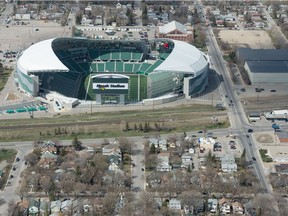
x,y
163,56
137,56
42,108
115,55
144,67
94,67
136,67
119,66
10,111
105,55
101,67
126,55
110,66
155,65
128,67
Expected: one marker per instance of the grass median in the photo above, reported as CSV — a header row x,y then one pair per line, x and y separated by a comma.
x,y
114,124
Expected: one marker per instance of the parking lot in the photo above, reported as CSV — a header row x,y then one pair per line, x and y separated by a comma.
x,y
222,145
129,33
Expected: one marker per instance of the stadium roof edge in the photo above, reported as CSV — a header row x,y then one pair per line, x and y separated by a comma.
x,y
42,61
183,58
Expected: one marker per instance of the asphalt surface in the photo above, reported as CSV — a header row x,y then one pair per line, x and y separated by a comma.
x,y
236,113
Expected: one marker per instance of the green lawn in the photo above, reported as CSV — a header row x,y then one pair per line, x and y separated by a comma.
x,y
8,155
265,157
4,77
111,124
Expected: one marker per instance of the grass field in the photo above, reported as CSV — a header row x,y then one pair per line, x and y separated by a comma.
x,y
8,155
106,125
4,77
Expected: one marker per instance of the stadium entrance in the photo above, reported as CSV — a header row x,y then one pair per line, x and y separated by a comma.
x,y
110,88
110,99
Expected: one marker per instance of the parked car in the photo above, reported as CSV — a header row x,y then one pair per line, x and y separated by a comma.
x,y
273,90
253,158
250,130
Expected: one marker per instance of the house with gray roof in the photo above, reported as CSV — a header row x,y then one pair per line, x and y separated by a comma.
x,y
228,163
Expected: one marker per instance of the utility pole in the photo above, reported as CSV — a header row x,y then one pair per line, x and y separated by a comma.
x,y
91,108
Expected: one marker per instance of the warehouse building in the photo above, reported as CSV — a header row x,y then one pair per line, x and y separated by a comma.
x,y
265,65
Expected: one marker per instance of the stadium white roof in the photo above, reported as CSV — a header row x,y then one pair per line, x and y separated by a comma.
x,y
40,57
174,25
183,58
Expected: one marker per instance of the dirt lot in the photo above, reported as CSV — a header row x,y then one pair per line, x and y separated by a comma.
x,y
18,37
266,103
247,38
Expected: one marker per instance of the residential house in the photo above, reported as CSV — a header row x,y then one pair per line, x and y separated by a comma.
x,y
153,141
191,151
34,207
228,163
115,168
176,31
85,21
212,205
48,144
114,158
55,206
174,204
111,149
50,149
186,161
44,207
24,206
163,164
158,143
90,150
162,143
224,206
66,205
47,159
237,208
98,20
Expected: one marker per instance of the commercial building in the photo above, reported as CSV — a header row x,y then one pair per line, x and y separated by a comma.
x,y
265,65
176,31
112,71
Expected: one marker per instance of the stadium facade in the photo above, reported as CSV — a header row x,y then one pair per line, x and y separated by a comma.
x,y
112,71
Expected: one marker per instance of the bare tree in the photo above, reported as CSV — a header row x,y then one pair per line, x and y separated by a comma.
x,y
46,183
260,204
125,144
146,205
109,204
23,189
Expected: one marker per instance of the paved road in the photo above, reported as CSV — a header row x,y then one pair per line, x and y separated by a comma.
x,y
236,113
5,14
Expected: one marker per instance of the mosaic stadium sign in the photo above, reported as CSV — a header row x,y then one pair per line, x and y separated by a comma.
x,y
110,84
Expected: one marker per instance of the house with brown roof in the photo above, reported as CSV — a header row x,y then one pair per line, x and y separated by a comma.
x,y
237,208
224,206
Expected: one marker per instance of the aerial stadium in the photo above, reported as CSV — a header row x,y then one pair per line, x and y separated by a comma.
x,y
112,71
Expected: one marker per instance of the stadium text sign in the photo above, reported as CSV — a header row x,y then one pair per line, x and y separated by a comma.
x,y
105,86
110,84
